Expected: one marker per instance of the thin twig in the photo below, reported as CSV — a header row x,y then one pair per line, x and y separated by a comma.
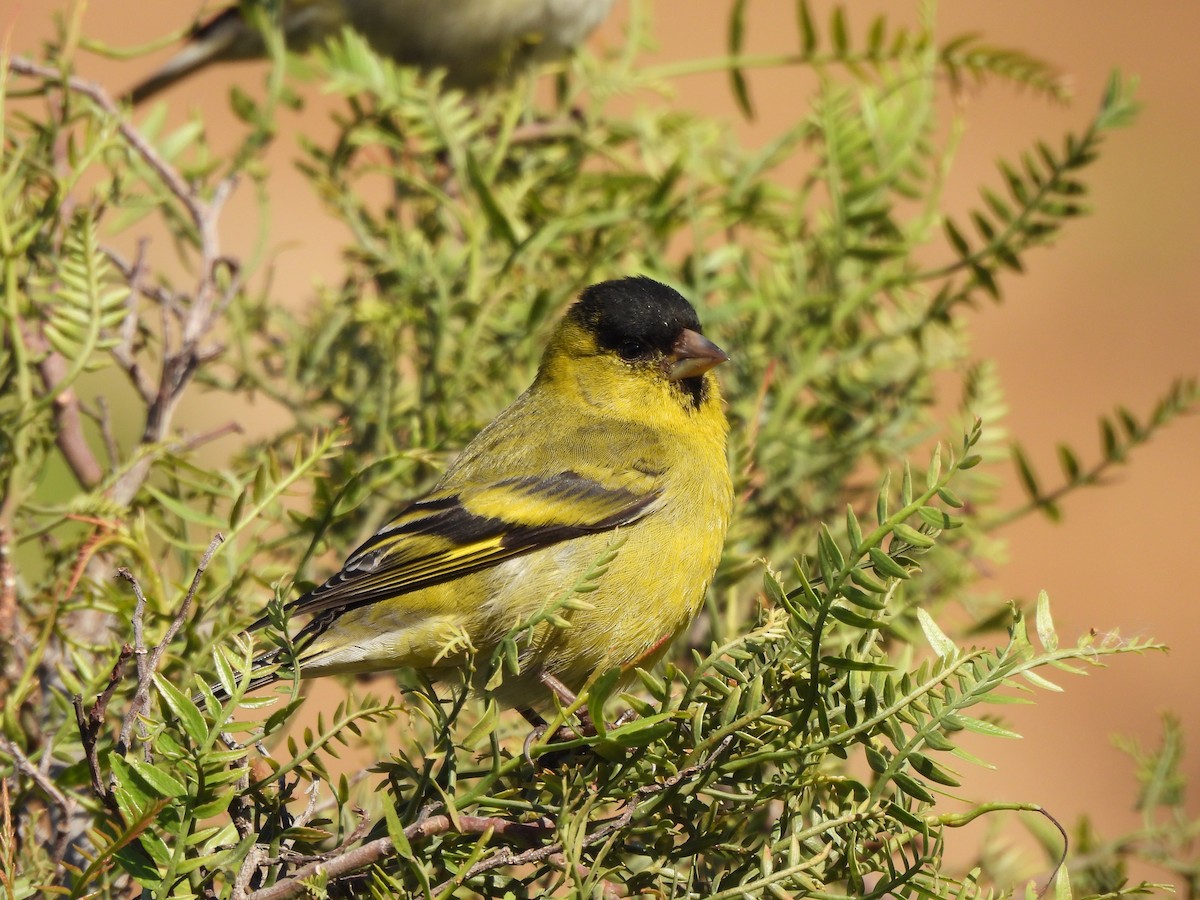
x,y
68,426
427,826
200,440
8,595
141,696
174,182
125,353
89,729
139,623
377,850
208,303
504,857
248,869
103,419
63,804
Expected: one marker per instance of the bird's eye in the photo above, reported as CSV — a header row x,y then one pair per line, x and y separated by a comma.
x,y
631,349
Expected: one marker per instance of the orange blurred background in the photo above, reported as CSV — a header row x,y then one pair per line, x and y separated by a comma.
x,y
1110,315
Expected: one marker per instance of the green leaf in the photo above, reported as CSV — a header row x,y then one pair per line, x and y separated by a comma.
x,y
161,783
215,807
979,726
185,512
183,708
395,831
876,760
853,529
912,786
1045,624
773,589
907,819
808,29
949,498
481,731
855,665
602,688
931,770
934,472
737,76
837,28
885,565
957,241
1038,680
941,644
938,518
642,732
862,598
853,619
868,582
1025,471
1069,462
499,220
910,535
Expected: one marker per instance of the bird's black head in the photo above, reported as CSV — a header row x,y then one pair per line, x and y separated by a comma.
x,y
635,317
652,328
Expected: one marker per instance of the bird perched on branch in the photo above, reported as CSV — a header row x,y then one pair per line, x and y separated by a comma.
x,y
477,42
617,446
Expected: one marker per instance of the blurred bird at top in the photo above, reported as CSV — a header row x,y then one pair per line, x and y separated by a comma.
x,y
477,42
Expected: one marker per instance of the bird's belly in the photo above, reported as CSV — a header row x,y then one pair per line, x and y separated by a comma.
x,y
634,606
471,38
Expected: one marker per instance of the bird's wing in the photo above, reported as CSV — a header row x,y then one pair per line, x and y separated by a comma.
x,y
446,535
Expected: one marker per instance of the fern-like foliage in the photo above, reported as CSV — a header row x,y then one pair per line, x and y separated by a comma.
x,y
1043,193
1120,434
964,58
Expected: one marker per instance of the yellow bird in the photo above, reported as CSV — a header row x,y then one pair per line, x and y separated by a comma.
x,y
620,440
477,42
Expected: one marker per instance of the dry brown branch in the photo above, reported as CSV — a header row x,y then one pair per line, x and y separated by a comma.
x,y
200,440
68,432
351,861
504,857
368,854
170,177
8,595
197,318
147,667
103,419
63,805
89,729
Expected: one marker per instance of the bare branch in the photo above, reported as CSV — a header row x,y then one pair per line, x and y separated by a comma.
x,y
89,729
370,853
125,352
515,832
68,432
100,415
200,440
146,672
505,857
207,304
64,806
8,594
174,182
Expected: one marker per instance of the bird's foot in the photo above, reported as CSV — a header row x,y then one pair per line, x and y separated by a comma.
x,y
585,728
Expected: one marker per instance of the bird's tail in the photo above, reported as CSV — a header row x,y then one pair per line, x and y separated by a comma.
x,y
223,37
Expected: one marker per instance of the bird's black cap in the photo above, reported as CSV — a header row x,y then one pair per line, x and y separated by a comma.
x,y
634,315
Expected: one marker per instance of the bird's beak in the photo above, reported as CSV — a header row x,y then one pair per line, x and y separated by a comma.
x,y
693,354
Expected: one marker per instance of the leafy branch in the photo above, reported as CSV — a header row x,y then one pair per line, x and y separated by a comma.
x,y
1120,434
1043,194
